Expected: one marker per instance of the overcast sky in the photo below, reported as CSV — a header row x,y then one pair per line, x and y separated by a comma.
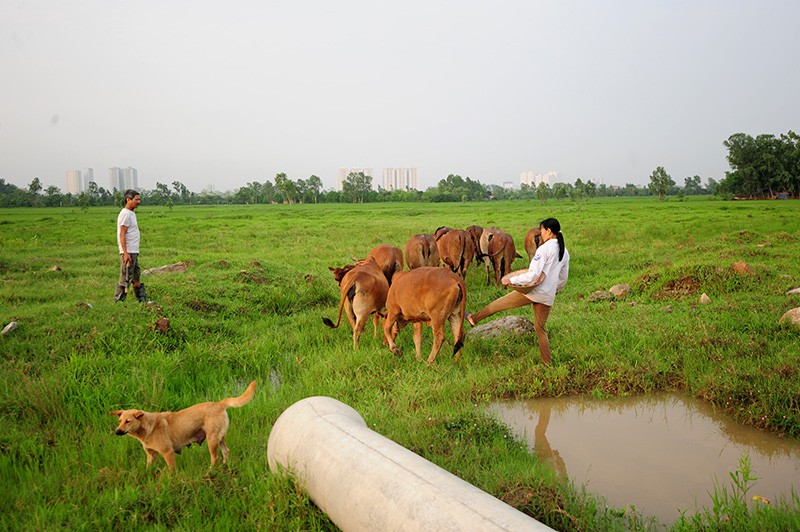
x,y
226,93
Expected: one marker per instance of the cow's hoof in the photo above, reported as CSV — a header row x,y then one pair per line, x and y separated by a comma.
x,y
397,351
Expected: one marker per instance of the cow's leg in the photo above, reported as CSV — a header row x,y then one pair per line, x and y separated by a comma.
x,y
438,339
418,339
351,315
390,330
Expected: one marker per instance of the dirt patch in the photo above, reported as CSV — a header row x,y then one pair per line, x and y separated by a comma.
x,y
677,288
248,276
204,306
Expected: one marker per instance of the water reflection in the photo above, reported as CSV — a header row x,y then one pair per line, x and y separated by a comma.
x,y
660,453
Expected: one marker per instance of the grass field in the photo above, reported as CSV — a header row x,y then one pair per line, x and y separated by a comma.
x,y
250,307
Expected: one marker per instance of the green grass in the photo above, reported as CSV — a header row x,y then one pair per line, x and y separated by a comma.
x,y
250,307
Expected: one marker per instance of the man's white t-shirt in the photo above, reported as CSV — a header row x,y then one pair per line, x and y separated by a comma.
x,y
128,218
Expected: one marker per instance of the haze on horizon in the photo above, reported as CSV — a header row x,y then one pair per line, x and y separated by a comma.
x,y
207,93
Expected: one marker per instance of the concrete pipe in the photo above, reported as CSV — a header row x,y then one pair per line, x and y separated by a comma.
x,y
364,481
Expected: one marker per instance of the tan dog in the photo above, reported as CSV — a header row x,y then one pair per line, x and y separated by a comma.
x,y
166,433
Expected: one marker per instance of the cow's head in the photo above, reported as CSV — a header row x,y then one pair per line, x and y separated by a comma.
x,y
339,273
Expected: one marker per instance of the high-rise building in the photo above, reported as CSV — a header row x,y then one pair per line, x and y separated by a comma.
x,y
400,179
88,177
122,179
342,173
74,182
533,179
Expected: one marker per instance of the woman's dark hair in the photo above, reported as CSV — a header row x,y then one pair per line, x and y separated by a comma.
x,y
555,227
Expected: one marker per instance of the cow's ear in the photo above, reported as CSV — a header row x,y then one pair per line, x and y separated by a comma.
x,y
116,413
331,268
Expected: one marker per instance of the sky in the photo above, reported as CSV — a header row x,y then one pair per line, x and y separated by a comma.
x,y
221,94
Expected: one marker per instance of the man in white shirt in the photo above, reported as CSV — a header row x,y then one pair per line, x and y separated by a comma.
x,y
128,242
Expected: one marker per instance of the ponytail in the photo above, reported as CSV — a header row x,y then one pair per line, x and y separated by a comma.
x,y
553,225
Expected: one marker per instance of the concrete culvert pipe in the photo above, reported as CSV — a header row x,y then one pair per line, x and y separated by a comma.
x,y
364,481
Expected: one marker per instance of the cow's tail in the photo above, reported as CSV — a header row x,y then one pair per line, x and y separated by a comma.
x,y
349,295
242,399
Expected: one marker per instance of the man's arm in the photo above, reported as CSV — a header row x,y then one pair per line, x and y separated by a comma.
x,y
123,231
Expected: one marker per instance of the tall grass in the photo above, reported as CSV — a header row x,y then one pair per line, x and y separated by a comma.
x,y
250,307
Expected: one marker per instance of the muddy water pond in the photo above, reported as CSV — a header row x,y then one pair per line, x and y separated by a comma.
x,y
659,453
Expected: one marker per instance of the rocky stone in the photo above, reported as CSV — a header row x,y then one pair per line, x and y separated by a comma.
x,y
668,309
8,328
177,267
513,325
704,299
793,291
742,268
763,245
55,268
599,295
791,316
620,291
84,304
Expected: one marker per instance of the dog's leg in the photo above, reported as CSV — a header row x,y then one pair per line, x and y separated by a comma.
x,y
152,454
225,451
169,458
213,446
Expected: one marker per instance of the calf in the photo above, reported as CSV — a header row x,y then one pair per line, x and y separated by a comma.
x,y
532,242
421,250
430,296
501,253
363,289
388,258
456,250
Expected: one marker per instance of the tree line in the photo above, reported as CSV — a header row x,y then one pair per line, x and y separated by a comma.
x,y
764,166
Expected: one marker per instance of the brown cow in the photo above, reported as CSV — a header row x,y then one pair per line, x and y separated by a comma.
x,y
501,253
456,250
475,232
388,258
421,250
431,296
364,289
532,242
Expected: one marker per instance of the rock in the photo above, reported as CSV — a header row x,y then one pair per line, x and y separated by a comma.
x,y
763,245
742,268
668,309
84,304
599,295
793,291
791,316
704,299
154,306
514,325
177,267
8,328
620,291
55,268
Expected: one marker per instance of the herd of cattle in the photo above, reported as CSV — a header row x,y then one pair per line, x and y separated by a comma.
x,y
432,291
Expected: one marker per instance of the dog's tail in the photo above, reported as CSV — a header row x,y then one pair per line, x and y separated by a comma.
x,y
242,399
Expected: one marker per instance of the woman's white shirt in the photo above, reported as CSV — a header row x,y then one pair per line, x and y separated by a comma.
x,y
556,273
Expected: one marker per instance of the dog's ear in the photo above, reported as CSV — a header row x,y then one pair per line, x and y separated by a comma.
x,y
116,413
138,413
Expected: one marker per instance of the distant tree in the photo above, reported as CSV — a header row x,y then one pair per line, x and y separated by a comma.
x,y
285,187
764,165
302,190
542,192
691,186
53,196
660,182
182,194
590,189
313,187
356,186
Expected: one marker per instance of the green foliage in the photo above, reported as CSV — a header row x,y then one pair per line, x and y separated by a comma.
x,y
250,307
763,166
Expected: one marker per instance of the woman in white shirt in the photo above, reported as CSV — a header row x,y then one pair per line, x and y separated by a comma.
x,y
547,275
